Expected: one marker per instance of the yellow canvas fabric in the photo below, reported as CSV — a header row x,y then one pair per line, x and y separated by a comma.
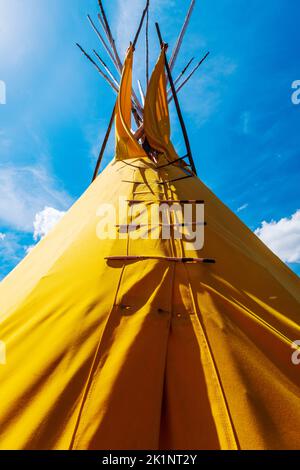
x,y
156,113
149,354
126,145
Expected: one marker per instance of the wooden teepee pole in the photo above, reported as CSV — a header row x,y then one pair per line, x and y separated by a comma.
x,y
141,24
104,22
107,68
147,49
110,36
103,42
190,75
180,117
181,35
181,74
109,81
104,144
141,92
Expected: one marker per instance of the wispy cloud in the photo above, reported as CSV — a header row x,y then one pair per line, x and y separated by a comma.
x,y
245,122
207,86
25,191
11,252
5,141
9,247
283,237
243,207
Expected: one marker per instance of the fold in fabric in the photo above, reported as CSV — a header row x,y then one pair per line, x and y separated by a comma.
x,y
156,113
126,145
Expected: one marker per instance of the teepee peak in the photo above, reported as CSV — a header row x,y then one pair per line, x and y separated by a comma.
x,y
134,139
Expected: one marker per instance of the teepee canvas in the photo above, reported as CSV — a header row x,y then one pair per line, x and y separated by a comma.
x,y
135,341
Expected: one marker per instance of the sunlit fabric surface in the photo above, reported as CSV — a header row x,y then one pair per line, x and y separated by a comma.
x,y
126,145
149,354
156,114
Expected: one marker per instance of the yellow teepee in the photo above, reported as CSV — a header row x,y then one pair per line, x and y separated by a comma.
x,y
135,342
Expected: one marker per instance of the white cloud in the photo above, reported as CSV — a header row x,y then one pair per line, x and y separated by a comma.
x,y
243,207
2,236
282,237
25,191
29,248
45,221
245,122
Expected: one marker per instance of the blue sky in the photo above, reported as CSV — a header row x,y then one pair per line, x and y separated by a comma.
x,y
243,126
